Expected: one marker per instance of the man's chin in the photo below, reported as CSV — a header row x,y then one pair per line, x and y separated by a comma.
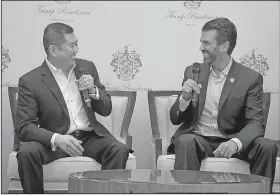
x,y
206,60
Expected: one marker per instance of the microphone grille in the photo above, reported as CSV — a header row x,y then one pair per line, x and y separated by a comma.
x,y
80,72
196,68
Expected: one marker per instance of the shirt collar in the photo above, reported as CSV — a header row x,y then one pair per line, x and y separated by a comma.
x,y
226,69
54,69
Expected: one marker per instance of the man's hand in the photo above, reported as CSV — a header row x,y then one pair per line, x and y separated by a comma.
x,y
226,149
86,82
188,88
69,144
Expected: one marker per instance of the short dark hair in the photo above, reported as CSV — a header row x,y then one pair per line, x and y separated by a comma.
x,y
226,31
54,35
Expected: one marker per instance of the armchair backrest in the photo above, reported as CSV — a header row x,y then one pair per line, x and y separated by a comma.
x,y
117,122
160,103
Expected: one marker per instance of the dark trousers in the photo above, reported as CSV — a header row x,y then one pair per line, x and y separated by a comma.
x,y
108,151
190,149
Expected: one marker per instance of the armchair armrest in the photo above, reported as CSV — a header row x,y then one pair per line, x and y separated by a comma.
x,y
158,147
278,147
16,143
129,141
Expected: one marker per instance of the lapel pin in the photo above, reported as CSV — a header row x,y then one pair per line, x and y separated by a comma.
x,y
232,80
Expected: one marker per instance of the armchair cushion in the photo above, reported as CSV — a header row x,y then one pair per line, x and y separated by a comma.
x,y
119,105
113,122
59,170
162,115
224,165
106,121
166,128
166,162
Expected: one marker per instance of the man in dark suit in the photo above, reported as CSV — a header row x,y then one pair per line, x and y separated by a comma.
x,y
227,120
52,116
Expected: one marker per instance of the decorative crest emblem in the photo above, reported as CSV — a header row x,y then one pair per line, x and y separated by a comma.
x,y
126,63
192,4
5,59
255,61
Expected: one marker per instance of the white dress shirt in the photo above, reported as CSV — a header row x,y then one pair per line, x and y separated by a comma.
x,y
71,94
207,124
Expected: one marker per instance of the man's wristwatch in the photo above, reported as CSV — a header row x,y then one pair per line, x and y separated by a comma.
x,y
95,91
95,95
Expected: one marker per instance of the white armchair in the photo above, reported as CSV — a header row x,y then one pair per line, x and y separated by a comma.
x,y
56,173
160,103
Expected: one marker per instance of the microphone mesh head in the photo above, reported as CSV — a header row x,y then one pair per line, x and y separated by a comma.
x,y
81,72
196,68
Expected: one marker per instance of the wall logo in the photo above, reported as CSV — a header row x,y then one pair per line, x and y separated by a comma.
x,y
192,4
126,63
255,61
5,59
62,2
61,11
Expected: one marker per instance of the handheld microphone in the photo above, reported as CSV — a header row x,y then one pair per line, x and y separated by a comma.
x,y
195,76
78,74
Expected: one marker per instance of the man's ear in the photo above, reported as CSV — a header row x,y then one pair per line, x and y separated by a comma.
x,y
52,50
224,47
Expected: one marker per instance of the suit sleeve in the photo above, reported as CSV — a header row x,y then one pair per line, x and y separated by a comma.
x,y
187,116
254,121
27,117
103,106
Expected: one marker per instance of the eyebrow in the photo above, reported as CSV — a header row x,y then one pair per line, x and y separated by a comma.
x,y
74,42
202,41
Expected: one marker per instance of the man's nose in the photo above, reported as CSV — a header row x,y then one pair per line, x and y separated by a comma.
x,y
201,48
76,49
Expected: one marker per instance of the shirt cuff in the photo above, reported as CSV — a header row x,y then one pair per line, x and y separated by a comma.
x,y
95,96
238,142
183,104
52,142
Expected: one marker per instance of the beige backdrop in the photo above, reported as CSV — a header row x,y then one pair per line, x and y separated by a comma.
x,y
164,36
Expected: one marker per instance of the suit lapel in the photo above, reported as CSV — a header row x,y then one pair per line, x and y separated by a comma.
x,y
229,83
203,80
51,83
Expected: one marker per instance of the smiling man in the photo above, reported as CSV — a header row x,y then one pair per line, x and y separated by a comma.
x,y
228,119
53,117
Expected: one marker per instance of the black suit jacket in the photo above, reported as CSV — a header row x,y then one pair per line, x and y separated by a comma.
x,y
240,111
42,111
